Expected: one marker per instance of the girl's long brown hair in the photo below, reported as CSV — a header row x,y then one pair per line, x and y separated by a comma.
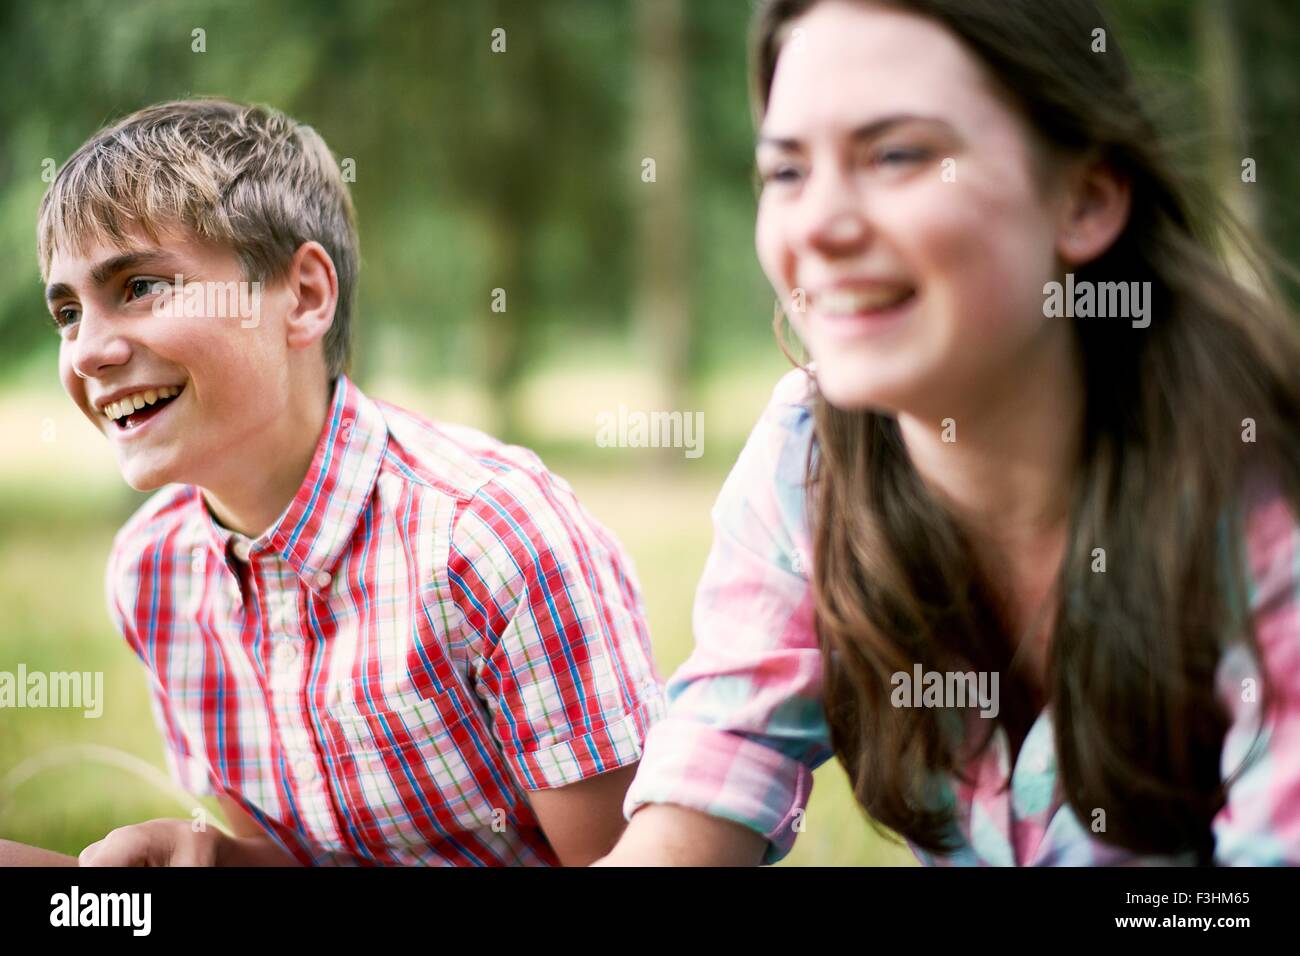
x,y
1138,725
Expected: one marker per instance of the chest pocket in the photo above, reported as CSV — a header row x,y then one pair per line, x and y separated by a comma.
x,y
413,770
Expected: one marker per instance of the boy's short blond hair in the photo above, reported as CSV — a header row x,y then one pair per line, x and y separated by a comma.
x,y
246,177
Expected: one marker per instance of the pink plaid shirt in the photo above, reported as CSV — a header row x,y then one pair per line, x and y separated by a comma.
x,y
433,627
745,727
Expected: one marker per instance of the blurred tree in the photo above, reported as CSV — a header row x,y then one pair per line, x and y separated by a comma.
x,y
1268,38
520,169
662,307
1219,51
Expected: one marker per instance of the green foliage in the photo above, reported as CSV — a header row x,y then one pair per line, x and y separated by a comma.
x,y
478,170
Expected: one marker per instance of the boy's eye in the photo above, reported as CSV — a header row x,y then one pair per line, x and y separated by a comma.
x,y
65,317
138,288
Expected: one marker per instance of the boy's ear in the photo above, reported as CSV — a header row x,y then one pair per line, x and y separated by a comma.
x,y
313,285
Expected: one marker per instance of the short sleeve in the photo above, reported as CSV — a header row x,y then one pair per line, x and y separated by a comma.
x,y
1259,825
745,726
187,770
551,604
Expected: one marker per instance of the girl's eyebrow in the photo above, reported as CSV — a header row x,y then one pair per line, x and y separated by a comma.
x,y
864,133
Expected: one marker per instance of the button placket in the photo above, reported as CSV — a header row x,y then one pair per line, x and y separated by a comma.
x,y
285,667
274,588
285,655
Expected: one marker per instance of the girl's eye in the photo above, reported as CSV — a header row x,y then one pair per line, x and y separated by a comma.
x,y
781,174
899,156
142,287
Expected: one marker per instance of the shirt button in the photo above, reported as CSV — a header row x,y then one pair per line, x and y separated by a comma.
x,y
323,579
284,655
241,549
305,769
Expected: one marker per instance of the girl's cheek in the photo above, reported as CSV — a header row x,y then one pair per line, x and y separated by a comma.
x,y
769,245
963,251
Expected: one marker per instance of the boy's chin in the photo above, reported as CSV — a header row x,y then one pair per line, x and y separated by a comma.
x,y
147,476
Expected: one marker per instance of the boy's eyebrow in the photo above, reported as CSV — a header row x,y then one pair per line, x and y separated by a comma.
x,y
109,268
867,131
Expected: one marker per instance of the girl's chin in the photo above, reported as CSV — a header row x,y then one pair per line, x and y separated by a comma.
x,y
859,390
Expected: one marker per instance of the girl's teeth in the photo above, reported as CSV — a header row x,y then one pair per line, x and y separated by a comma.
x,y
844,302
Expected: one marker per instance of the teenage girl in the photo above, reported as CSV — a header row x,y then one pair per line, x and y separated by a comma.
x,y
1094,505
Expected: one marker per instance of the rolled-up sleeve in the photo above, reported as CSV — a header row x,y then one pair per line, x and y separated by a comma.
x,y
551,600
745,727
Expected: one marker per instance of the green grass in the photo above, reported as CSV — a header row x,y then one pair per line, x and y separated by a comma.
x,y
56,524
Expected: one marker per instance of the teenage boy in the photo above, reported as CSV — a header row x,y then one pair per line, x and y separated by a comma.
x,y
373,638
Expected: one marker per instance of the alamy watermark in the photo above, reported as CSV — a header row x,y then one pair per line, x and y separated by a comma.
x,y
923,688
637,429
1100,300
56,689
130,910
217,300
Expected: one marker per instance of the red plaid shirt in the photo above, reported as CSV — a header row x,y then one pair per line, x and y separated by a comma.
x,y
433,627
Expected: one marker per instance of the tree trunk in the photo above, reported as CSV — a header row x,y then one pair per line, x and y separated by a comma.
x,y
661,300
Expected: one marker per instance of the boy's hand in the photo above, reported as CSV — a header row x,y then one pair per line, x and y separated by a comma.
x,y
155,843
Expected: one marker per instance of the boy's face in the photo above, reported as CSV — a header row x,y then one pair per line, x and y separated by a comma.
x,y
125,329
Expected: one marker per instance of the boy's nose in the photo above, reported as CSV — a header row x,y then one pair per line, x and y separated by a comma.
x,y
97,347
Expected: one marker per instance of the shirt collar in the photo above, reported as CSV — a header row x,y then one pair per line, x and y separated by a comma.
x,y
314,530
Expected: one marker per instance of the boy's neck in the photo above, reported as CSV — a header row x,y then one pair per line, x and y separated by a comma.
x,y
251,492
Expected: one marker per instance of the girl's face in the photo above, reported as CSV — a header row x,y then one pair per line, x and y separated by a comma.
x,y
900,221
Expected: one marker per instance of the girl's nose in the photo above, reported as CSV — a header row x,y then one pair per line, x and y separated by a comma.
x,y
833,219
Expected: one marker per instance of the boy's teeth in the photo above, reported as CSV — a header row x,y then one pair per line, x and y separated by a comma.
x,y
125,406
851,302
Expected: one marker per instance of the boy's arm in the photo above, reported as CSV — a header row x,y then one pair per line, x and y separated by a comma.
x,y
249,844
20,854
583,821
550,604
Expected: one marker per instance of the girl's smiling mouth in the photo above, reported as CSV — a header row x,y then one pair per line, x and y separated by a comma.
x,y
852,310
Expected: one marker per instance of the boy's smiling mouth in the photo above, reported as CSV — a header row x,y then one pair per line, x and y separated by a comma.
x,y
128,409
